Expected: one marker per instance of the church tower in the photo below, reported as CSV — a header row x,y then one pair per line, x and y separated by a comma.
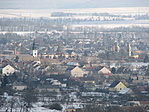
x,y
116,47
34,50
128,49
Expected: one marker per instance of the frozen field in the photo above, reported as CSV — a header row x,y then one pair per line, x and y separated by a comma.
x,y
47,12
36,13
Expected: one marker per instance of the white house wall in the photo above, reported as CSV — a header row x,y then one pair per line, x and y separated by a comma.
x,y
77,72
8,70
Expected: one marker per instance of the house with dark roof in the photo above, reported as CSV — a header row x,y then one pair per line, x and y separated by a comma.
x,y
43,68
87,79
65,80
50,88
36,67
117,86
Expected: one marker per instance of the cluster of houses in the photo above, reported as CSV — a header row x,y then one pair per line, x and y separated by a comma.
x,y
63,74
73,73
70,70
97,67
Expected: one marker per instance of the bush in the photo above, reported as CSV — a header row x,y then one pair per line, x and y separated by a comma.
x,y
56,106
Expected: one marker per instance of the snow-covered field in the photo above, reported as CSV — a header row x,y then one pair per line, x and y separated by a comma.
x,y
47,12
113,24
38,108
134,64
36,13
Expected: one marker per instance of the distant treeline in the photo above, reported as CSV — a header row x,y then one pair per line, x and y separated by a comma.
x,y
136,16
46,24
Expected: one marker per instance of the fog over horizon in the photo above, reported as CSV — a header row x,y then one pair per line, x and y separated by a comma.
x,y
70,4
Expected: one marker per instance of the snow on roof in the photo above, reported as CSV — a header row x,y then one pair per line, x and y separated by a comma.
x,y
125,90
72,63
92,94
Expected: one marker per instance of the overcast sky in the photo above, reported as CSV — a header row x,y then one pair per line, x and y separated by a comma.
x,y
47,4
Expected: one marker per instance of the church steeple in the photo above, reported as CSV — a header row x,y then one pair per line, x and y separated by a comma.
x,y
34,50
33,47
129,49
116,47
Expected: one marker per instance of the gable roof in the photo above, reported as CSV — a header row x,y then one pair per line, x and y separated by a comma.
x,y
77,68
114,83
104,70
8,66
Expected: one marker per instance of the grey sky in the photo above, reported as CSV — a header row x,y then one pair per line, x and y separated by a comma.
x,y
47,4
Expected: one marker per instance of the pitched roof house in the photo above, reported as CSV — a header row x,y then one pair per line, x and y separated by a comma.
x,y
117,86
104,70
7,70
77,72
19,86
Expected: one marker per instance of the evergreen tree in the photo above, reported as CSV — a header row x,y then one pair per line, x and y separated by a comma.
x,y
77,58
147,71
146,59
5,81
113,70
16,59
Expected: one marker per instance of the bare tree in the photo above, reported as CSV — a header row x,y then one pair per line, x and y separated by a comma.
x,y
29,98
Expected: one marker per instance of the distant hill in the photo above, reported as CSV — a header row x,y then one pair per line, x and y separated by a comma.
x,y
67,4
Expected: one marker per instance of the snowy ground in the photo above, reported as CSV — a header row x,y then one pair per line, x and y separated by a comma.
x,y
38,108
47,12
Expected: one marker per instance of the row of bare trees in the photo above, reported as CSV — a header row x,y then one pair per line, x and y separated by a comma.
x,y
21,102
